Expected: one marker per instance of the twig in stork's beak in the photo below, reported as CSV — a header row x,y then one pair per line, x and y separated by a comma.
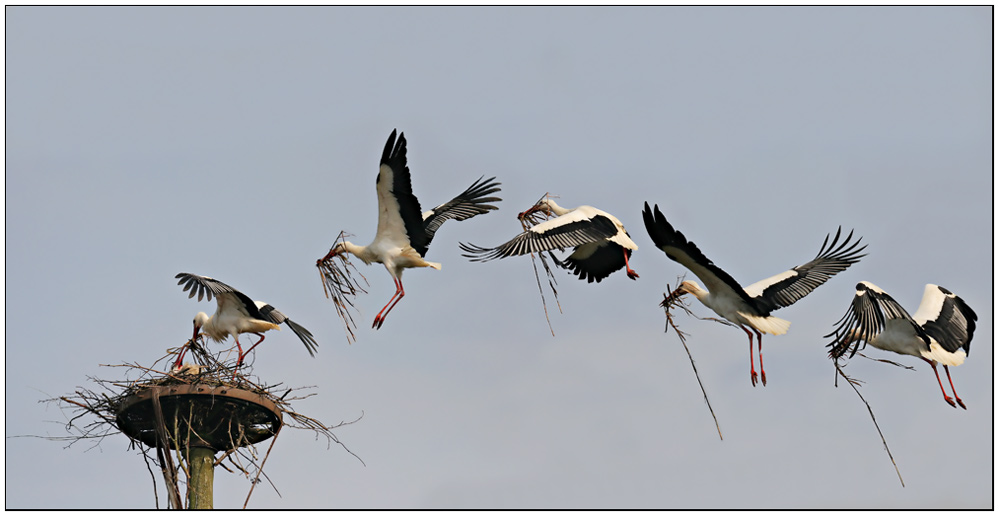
x,y
339,283
330,254
537,207
669,300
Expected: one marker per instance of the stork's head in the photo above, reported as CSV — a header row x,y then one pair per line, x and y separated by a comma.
x,y
338,249
546,206
200,320
688,286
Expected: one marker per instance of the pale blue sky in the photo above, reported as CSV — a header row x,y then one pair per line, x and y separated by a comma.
x,y
237,142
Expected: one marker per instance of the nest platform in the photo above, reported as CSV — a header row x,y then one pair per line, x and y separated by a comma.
x,y
220,418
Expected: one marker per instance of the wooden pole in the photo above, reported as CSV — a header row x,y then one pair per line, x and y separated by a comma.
x,y
201,462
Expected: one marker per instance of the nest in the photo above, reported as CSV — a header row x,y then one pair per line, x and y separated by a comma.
x,y
340,285
166,411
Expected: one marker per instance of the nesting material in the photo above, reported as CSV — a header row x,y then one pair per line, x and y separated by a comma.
x,y
527,221
672,301
341,286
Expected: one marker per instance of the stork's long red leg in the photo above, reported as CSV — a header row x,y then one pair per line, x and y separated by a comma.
x,y
396,297
760,351
946,397
960,403
628,271
239,360
753,373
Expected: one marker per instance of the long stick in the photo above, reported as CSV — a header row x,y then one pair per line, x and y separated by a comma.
x,y
872,413
673,301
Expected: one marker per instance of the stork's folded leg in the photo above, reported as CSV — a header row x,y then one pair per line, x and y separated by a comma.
x,y
261,336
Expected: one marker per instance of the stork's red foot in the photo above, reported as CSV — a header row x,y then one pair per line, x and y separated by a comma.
x,y
950,402
763,378
631,273
960,403
753,377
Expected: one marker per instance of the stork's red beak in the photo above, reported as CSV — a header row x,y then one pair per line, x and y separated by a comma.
x,y
527,212
194,336
328,256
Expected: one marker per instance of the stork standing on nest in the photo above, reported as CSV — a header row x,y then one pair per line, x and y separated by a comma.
x,y
939,332
749,307
236,314
403,232
600,243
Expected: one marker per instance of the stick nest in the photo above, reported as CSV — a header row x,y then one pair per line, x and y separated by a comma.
x,y
93,414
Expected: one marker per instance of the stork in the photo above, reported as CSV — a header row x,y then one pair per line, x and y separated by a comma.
x,y
403,232
236,314
939,332
750,307
600,243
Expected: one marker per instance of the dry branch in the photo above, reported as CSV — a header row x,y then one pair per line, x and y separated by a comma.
x,y
854,385
674,301
527,221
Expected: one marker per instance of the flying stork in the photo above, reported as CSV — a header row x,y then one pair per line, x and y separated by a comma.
x,y
939,332
404,233
236,314
600,243
750,306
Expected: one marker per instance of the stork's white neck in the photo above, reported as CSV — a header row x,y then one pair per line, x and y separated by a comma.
x,y
696,290
362,252
208,326
556,209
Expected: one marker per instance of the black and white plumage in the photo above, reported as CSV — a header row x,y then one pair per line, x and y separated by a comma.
x,y
403,232
750,306
600,243
939,332
236,314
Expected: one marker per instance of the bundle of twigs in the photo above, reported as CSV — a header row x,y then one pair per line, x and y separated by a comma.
x,y
339,284
527,221
673,301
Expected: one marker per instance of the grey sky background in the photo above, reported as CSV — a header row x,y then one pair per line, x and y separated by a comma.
x,y
237,142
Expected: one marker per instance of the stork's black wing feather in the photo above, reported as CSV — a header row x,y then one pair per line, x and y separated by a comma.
x,y
954,323
866,318
562,236
275,316
786,288
686,253
400,188
470,203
